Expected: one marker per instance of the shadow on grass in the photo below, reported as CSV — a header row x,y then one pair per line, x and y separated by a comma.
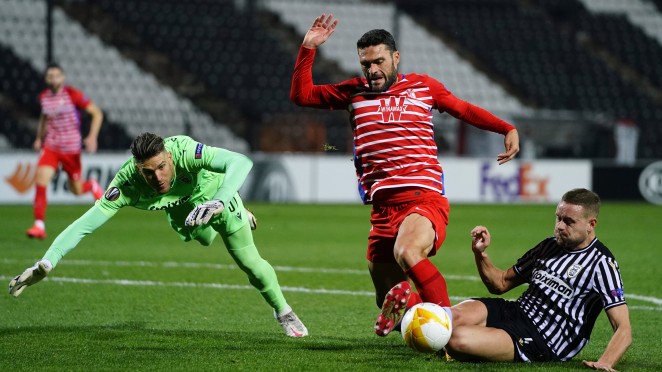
x,y
133,346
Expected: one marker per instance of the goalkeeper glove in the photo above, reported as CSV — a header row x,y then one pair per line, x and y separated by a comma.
x,y
30,276
252,221
202,213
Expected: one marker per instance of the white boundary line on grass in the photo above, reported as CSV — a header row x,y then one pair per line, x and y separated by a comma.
x,y
197,265
171,264
152,283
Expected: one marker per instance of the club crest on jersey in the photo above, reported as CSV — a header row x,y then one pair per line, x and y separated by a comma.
x,y
391,108
410,93
574,270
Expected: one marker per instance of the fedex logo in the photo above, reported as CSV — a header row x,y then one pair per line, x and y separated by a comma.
x,y
523,184
392,108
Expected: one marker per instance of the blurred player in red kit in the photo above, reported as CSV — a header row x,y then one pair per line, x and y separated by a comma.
x,y
60,140
395,156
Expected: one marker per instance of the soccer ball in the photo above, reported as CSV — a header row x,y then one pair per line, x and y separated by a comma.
x,y
426,327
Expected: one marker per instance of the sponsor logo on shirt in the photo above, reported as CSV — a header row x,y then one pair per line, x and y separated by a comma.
x,y
545,279
198,150
392,108
170,204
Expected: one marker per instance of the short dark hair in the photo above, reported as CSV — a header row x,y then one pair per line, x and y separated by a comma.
x,y
51,65
377,37
146,146
589,200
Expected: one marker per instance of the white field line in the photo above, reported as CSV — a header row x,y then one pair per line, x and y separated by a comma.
x,y
150,283
197,265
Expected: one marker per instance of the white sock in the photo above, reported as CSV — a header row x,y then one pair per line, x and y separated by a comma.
x,y
450,313
40,224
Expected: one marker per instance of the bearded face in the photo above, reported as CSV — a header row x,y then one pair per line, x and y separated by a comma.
x,y
379,66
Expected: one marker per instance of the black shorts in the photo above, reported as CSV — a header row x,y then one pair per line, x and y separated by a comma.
x,y
529,344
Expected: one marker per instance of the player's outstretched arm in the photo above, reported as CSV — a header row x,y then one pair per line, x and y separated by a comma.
x,y
511,141
63,244
495,280
91,140
319,32
620,341
31,275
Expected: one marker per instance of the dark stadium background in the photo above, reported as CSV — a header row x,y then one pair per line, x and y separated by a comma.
x,y
577,71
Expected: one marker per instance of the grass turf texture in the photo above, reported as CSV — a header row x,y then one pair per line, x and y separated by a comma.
x,y
152,302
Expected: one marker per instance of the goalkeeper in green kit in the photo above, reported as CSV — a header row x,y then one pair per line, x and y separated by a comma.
x,y
196,185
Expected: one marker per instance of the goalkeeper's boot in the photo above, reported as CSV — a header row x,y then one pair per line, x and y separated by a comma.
x,y
36,232
394,307
292,325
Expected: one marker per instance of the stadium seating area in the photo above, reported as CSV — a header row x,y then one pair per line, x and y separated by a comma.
x,y
508,56
544,61
21,83
225,47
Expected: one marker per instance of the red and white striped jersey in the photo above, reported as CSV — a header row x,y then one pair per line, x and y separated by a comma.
x,y
394,143
63,119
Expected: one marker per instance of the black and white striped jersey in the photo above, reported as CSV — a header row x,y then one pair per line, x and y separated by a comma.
x,y
567,290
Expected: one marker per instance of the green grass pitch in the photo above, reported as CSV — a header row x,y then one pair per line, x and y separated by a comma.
x,y
133,297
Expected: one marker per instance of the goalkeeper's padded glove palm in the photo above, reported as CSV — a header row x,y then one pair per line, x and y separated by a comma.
x,y
30,276
202,213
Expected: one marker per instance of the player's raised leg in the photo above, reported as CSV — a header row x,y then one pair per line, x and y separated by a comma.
x,y
417,237
393,299
263,277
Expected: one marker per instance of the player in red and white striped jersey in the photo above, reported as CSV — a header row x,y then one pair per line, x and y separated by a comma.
x,y
60,141
396,162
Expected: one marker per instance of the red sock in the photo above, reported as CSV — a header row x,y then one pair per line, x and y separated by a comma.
x,y
429,283
40,202
87,186
414,299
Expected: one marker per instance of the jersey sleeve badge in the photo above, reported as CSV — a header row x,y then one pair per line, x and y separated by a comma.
x,y
198,150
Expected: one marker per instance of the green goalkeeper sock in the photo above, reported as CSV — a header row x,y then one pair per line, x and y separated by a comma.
x,y
260,273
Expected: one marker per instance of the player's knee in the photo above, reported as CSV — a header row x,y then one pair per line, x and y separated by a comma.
x,y
407,255
459,318
458,343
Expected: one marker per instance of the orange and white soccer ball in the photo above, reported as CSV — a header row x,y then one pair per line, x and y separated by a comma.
x,y
426,327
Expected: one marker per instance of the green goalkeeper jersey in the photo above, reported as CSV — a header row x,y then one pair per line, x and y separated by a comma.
x,y
201,173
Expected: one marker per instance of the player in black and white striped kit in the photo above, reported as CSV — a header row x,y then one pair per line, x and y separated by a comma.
x,y
572,277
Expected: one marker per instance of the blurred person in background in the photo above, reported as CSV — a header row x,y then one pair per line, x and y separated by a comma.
x,y
59,140
197,187
571,278
395,156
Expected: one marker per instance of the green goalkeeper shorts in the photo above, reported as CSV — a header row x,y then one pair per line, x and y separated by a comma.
x,y
233,218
